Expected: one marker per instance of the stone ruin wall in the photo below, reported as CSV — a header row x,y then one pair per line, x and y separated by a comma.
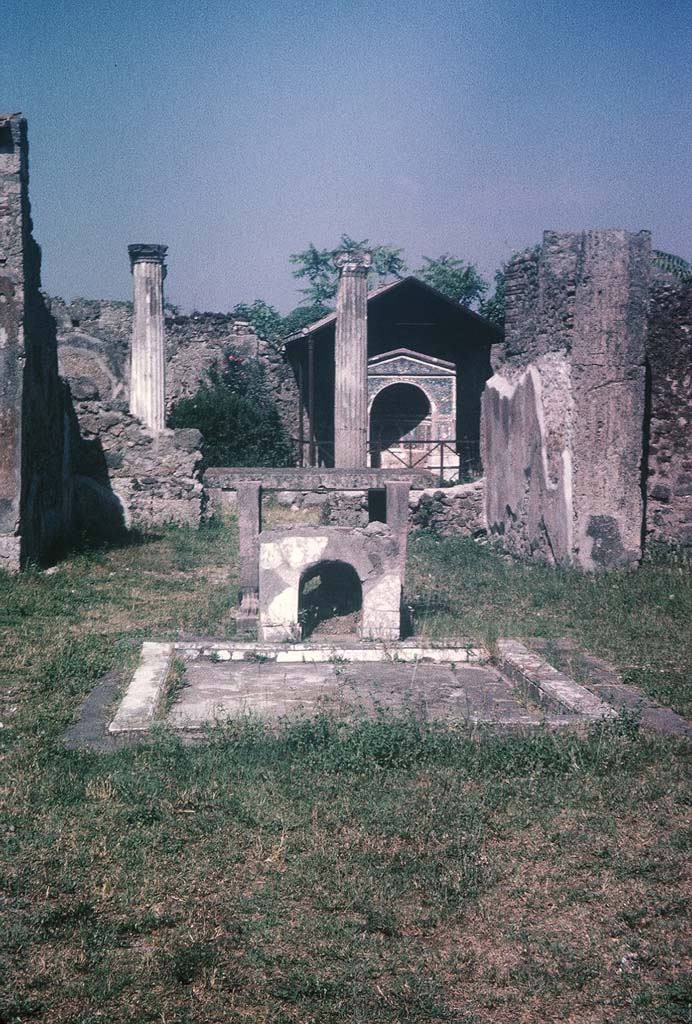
x,y
563,416
94,345
125,477
669,353
35,479
128,478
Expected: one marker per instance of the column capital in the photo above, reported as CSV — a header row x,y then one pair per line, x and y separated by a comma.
x,y
356,262
140,252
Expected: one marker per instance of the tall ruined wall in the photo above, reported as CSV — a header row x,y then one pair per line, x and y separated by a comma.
x,y
562,418
35,479
669,352
94,344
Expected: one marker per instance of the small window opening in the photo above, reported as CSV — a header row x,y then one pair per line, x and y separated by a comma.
x,y
6,142
330,600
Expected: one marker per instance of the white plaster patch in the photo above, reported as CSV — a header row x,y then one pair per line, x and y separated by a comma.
x,y
303,551
270,555
284,608
384,594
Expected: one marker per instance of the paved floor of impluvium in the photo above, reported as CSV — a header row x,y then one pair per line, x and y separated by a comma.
x,y
218,691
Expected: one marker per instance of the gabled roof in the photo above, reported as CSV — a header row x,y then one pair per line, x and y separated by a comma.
x,y
463,313
443,365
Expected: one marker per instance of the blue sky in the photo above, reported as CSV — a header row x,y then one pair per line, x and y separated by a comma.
x,y
237,133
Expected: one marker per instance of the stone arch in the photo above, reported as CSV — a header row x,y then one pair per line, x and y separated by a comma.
x,y
330,598
419,384
400,413
289,557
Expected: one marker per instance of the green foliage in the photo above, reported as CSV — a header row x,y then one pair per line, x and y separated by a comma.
x,y
493,308
454,278
271,326
317,266
676,265
265,320
237,416
303,316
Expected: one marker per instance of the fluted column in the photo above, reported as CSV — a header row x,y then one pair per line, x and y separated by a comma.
x,y
148,356
351,361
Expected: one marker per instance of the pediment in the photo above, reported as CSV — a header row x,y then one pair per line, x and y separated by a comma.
x,y
404,362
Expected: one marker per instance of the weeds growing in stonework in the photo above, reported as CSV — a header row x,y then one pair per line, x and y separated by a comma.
x,y
377,870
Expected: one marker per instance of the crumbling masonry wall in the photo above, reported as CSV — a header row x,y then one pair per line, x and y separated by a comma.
x,y
35,478
94,352
669,356
562,418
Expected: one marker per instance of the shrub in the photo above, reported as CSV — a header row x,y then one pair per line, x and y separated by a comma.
x,y
237,416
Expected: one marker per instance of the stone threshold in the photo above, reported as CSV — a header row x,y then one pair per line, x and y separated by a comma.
x,y
336,649
547,686
137,710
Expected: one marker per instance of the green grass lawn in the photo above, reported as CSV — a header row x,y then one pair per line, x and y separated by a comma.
x,y
378,872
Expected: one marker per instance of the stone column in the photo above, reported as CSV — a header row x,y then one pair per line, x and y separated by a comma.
x,y
397,492
148,356
351,362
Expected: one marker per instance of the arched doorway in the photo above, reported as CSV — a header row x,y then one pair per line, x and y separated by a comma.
x,y
400,426
330,599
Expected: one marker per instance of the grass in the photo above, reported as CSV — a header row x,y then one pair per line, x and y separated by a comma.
x,y
640,620
381,872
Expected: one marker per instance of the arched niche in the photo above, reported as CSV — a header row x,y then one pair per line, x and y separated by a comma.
x,y
291,559
330,599
399,414
412,412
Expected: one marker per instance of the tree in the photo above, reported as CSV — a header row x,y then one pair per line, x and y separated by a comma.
x,y
318,267
454,278
675,265
238,417
265,320
493,309
302,316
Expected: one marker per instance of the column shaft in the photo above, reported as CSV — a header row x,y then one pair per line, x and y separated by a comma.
x,y
351,362
148,356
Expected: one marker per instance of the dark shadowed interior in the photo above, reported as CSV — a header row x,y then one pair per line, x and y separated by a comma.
x,y
330,598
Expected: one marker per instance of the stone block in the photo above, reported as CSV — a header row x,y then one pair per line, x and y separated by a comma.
x,y
287,556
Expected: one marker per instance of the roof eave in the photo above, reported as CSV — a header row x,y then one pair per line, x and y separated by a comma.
x,y
325,321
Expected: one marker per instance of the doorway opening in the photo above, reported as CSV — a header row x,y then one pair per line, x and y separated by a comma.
x,y
400,426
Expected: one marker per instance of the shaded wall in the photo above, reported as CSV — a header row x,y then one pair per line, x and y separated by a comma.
x,y
669,470
35,477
